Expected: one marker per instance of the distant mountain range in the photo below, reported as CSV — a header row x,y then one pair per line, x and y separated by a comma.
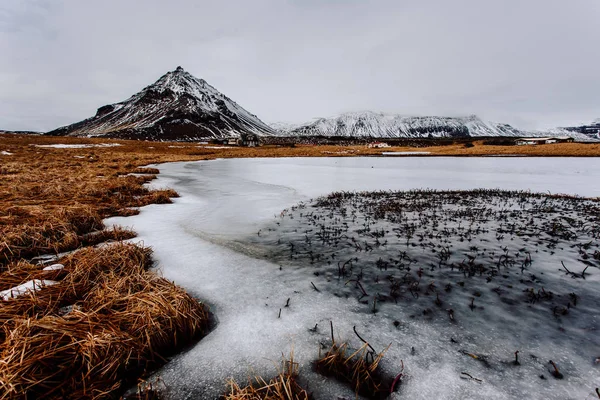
x,y
367,123
371,124
181,107
178,106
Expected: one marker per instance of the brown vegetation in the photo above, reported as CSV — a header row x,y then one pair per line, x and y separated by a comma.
x,y
359,368
95,325
104,321
544,150
283,387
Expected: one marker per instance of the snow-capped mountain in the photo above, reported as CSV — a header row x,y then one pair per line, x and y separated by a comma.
x,y
591,131
178,106
388,125
284,127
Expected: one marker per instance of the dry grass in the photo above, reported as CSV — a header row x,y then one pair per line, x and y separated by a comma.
x,y
359,368
545,150
148,390
105,321
283,387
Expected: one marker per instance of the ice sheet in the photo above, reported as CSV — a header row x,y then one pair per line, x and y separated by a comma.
x,y
221,200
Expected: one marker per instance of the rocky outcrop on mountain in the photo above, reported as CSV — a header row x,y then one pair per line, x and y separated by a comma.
x,y
178,106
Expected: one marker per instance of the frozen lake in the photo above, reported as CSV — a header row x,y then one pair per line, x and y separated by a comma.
x,y
196,243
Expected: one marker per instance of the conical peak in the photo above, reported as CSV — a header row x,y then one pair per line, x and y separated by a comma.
x,y
182,75
180,81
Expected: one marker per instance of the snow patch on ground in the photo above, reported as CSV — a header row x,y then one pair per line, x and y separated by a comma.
x,y
24,288
53,267
6,153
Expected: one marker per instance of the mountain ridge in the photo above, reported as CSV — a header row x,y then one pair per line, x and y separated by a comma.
x,y
178,106
387,125
373,124
181,107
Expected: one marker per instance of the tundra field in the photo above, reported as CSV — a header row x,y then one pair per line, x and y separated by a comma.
x,y
84,315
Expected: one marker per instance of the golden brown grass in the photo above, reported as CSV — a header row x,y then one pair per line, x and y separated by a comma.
x,y
359,368
283,387
105,321
545,150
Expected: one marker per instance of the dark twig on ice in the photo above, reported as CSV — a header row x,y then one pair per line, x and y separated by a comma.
x,y
574,274
466,375
399,376
332,338
363,340
359,285
314,287
555,372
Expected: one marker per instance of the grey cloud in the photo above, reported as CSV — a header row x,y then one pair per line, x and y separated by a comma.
x,y
531,63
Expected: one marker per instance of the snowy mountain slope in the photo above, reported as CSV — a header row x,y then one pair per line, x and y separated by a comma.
x,y
284,127
178,106
561,132
590,131
388,125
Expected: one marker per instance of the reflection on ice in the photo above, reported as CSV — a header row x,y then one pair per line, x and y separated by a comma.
x,y
195,242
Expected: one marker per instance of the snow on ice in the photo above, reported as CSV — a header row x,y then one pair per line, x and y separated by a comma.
x,y
199,243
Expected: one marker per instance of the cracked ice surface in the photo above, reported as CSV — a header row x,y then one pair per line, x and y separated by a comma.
x,y
197,244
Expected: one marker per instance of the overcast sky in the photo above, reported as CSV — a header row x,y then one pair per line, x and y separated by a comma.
x,y
531,63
